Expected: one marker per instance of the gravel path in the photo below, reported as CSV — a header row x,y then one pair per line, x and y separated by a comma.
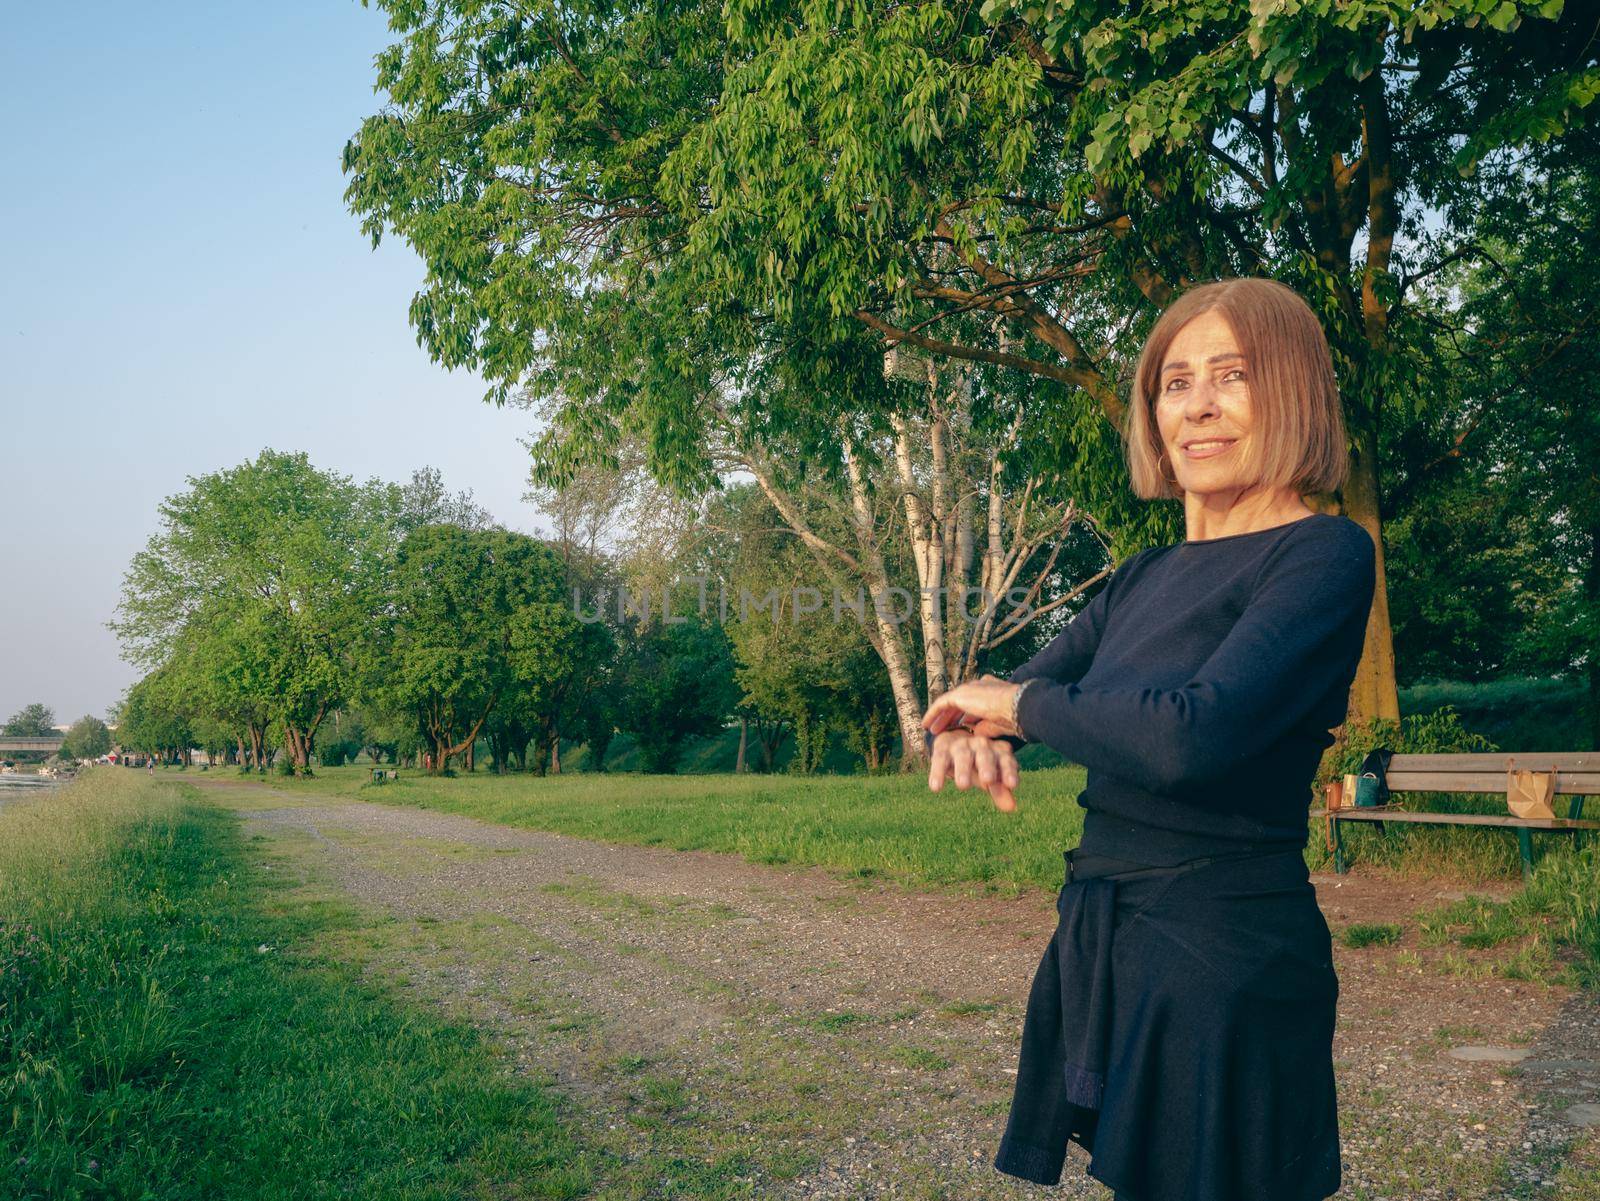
x,y
816,1036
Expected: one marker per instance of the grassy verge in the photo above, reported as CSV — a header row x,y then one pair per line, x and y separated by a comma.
x,y
889,826
893,827
168,1031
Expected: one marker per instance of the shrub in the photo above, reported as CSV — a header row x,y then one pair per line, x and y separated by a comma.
x,y
1438,732
1518,713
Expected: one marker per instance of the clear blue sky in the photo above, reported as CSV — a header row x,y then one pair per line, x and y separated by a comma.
x,y
182,285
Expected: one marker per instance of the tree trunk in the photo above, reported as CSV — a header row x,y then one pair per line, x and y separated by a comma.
x,y
541,750
769,736
925,528
1374,692
885,634
299,746
744,738
1592,589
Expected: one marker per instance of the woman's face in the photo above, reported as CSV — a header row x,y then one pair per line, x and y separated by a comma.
x,y
1202,407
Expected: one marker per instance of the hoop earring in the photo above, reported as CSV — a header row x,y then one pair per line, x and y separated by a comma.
x,y
1161,461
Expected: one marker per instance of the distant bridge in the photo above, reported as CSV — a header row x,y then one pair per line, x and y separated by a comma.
x,y
31,744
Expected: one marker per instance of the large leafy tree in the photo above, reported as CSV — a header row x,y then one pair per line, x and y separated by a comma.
x,y
560,664
32,721
801,666
228,661
289,558
557,268
674,683
1499,499
155,717
1072,167
462,608
87,739
701,222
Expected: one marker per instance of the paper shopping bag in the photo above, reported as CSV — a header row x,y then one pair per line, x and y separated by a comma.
x,y
1528,793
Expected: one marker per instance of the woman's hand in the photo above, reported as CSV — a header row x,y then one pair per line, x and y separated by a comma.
x,y
982,705
962,755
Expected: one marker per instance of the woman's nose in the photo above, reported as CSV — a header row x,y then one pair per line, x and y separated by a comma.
x,y
1202,398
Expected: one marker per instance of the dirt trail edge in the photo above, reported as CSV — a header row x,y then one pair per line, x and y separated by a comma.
x,y
724,1028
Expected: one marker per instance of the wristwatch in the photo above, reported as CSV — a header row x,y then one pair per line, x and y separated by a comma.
x,y
1016,700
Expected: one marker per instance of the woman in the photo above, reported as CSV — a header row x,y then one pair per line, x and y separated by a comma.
x,y
1180,1026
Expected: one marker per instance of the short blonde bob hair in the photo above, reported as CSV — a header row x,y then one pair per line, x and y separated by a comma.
x,y
1297,423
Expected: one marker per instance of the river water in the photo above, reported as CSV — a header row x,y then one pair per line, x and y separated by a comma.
x,y
16,787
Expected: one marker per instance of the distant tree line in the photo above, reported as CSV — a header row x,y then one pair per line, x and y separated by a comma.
x,y
86,738
288,616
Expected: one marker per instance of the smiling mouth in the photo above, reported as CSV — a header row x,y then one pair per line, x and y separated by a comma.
x,y
1208,447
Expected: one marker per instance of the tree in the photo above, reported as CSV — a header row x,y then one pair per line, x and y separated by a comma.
x,y
231,667
801,665
560,663
287,558
1059,165
426,501
155,719
454,602
674,682
1500,492
696,374
87,739
711,247
32,721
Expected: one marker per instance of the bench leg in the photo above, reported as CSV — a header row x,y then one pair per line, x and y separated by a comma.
x,y
1525,845
1339,864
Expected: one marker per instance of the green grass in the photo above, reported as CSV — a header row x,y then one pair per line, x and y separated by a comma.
x,y
1548,931
864,827
1471,854
920,1057
169,1030
893,827
1368,934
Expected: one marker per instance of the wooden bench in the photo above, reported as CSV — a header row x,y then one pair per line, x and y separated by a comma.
x,y
1577,776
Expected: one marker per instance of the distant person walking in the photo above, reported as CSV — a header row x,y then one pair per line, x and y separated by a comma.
x,y
1180,1025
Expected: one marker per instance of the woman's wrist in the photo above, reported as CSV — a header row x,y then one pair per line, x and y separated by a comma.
x,y
1016,701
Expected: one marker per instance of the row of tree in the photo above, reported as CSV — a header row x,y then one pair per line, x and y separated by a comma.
x,y
284,610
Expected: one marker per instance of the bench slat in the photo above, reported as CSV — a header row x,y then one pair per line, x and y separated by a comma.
x,y
1499,761
1382,813
1411,780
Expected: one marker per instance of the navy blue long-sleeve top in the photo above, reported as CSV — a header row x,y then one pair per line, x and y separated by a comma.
x,y
1200,686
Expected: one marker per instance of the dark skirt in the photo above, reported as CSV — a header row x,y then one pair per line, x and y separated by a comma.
x,y
1180,1030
